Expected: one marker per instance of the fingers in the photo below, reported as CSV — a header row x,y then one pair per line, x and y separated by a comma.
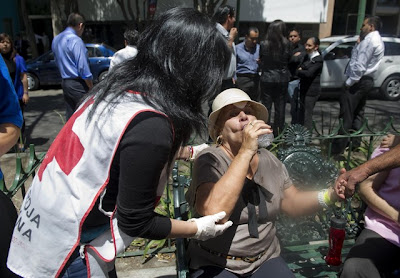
x,y
388,141
219,216
260,125
220,228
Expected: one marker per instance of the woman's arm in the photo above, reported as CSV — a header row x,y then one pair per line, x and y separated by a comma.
x,y
312,70
24,79
9,134
224,194
298,203
368,193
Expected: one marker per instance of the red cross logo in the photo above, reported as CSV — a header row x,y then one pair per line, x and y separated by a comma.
x,y
66,148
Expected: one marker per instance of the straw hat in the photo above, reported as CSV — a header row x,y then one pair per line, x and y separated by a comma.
x,y
231,96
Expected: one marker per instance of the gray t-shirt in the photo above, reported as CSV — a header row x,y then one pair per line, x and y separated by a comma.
x,y
272,175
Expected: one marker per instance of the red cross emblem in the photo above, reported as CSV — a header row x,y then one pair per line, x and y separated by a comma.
x,y
66,148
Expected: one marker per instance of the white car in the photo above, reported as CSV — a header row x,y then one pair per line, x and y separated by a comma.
x,y
336,51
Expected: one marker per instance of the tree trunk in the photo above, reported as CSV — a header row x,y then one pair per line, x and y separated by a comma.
x,y
121,4
29,30
207,6
57,16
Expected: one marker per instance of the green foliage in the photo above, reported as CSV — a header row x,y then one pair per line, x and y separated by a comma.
x,y
154,244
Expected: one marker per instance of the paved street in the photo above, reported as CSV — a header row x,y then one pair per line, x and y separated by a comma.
x,y
45,115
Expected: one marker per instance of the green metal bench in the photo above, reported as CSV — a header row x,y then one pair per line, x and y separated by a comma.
x,y
22,174
304,240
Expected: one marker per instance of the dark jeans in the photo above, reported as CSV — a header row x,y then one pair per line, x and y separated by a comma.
x,y
371,256
302,109
76,267
275,267
352,106
275,93
74,90
249,83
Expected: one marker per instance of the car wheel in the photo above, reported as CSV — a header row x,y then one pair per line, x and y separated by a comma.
x,y
391,88
103,75
33,82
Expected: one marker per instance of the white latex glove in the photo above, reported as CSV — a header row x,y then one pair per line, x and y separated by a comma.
x,y
197,149
207,227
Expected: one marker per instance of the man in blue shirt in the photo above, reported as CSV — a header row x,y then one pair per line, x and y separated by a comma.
x,y
71,58
247,56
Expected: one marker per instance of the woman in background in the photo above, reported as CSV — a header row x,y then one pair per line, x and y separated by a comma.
x,y
17,69
275,53
309,73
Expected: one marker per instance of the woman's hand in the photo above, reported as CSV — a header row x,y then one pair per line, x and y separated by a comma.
x,y
25,98
251,132
390,141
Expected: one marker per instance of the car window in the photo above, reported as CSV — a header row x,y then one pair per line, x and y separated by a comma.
x,y
324,45
343,51
98,53
392,49
94,52
48,57
90,51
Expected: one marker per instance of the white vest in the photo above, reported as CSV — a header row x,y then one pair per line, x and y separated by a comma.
x,y
74,173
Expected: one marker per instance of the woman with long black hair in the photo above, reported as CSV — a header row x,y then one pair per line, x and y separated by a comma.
x,y
275,53
101,178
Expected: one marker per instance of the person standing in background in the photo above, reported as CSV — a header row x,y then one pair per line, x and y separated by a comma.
x,y
71,58
225,20
247,56
298,53
309,73
275,53
17,70
365,59
131,38
298,50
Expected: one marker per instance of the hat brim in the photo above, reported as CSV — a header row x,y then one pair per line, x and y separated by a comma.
x,y
261,113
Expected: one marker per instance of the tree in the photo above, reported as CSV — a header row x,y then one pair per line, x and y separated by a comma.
x,y
60,9
29,30
208,6
127,12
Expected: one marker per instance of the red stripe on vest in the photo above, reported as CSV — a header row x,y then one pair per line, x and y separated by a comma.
x,y
66,148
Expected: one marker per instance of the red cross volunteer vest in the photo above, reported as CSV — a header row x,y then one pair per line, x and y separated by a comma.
x,y
74,173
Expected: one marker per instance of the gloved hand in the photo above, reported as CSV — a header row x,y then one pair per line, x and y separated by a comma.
x,y
197,149
207,227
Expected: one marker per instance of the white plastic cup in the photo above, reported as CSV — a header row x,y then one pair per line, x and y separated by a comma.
x,y
265,140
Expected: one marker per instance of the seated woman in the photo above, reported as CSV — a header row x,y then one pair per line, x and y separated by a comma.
x,y
252,186
377,249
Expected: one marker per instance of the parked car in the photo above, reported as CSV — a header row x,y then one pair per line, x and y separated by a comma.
x,y
43,70
336,51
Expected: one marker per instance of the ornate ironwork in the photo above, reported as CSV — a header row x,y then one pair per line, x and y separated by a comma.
x,y
309,170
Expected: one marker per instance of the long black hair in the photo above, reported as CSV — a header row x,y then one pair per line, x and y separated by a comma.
x,y
275,41
180,64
